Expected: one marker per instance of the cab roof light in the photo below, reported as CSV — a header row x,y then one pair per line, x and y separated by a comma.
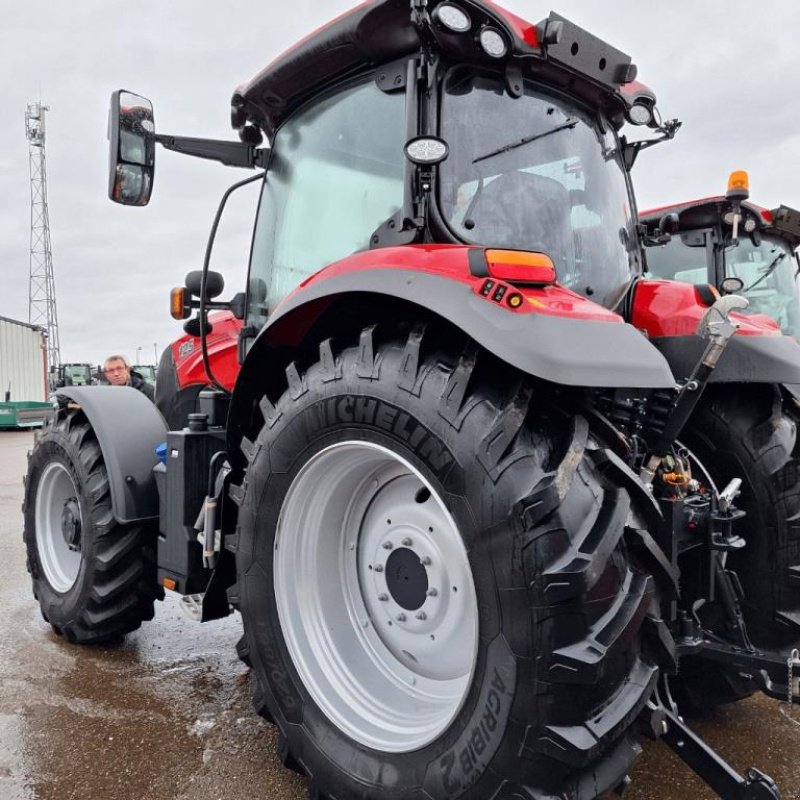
x,y
738,185
493,42
520,266
639,114
450,16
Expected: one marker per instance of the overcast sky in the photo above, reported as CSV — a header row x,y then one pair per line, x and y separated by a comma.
x,y
726,69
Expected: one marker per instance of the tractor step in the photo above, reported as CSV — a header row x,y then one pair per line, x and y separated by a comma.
x,y
794,575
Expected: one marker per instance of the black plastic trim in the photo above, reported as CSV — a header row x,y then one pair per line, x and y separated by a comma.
x,y
128,428
564,350
747,359
477,262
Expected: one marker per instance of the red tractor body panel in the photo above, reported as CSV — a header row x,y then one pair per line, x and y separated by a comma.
x,y
222,353
672,308
453,262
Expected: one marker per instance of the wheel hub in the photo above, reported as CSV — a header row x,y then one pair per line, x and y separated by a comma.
x,y
406,579
71,524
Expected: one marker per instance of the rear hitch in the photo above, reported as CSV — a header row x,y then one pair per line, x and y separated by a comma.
x,y
777,674
664,723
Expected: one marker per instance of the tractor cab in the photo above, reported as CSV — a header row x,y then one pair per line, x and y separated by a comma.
x,y
735,246
73,375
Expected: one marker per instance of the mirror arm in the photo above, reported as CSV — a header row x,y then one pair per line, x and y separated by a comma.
x,y
630,150
232,154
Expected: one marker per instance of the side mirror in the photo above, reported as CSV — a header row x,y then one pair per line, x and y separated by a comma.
x,y
131,157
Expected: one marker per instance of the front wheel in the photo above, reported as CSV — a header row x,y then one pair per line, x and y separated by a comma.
x,y
434,582
94,578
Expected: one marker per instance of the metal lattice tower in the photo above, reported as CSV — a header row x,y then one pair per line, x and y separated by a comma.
x,y
41,285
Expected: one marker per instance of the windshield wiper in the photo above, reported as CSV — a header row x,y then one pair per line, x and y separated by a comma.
x,y
570,123
768,271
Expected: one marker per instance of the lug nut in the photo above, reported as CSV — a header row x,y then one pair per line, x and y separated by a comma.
x,y
383,597
422,616
379,568
426,561
387,545
401,617
407,542
432,592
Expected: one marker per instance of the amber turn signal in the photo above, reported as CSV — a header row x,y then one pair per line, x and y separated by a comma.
x,y
177,304
169,583
738,185
520,266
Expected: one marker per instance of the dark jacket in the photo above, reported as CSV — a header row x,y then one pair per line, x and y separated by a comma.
x,y
138,382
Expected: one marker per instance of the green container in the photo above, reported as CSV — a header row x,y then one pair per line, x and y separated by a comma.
x,y
24,414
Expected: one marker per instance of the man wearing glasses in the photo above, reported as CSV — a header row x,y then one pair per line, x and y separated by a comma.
x,y
117,372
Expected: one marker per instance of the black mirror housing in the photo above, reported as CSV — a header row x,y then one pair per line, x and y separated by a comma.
x,y
215,283
131,157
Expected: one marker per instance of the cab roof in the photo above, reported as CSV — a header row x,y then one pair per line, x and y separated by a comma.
x,y
708,212
379,32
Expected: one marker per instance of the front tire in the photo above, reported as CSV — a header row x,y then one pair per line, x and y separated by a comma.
x,y
384,473
95,580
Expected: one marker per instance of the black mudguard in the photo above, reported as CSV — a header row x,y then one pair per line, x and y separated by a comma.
x,y
564,350
747,359
128,428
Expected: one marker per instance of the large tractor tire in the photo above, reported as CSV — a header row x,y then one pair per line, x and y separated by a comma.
x,y
751,433
434,580
95,579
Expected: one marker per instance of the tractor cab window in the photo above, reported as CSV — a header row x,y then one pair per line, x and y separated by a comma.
x,y
537,173
769,272
684,258
336,174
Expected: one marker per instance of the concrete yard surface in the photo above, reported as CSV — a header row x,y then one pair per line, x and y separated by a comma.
x,y
166,713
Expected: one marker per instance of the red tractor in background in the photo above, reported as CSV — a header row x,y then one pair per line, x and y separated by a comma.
x,y
425,454
728,245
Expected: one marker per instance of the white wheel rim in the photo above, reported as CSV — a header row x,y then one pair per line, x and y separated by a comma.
x,y
59,561
375,596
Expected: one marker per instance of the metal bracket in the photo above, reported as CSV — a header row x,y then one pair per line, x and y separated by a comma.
x,y
712,768
661,721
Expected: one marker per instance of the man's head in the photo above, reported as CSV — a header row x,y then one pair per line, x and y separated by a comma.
x,y
117,370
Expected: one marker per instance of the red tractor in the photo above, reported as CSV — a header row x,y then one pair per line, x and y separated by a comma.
x,y
425,454
728,245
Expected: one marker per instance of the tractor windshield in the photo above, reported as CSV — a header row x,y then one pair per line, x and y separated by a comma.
x,y
78,374
535,173
769,272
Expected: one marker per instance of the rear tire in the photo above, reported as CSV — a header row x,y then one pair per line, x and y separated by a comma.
x,y
505,506
751,433
95,579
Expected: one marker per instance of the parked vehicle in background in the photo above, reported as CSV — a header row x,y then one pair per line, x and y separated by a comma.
x,y
73,375
727,245
762,256
146,371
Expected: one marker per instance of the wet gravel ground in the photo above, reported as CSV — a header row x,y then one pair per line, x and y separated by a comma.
x,y
166,714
